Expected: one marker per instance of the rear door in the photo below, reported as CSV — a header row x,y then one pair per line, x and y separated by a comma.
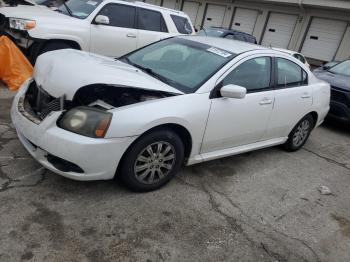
x,y
120,36
151,27
293,98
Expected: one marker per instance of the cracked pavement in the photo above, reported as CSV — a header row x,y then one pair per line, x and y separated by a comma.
x,y
259,206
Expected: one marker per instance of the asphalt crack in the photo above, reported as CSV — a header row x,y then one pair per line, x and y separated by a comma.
x,y
236,224
330,160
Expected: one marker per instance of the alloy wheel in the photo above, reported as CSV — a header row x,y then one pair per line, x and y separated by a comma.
x,y
154,162
301,133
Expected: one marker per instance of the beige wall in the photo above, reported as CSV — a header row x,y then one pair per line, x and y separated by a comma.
x,y
335,9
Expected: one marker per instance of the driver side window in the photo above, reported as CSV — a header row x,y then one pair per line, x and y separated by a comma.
x,y
253,74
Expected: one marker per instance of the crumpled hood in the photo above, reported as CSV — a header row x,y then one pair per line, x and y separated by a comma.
x,y
38,13
339,81
63,72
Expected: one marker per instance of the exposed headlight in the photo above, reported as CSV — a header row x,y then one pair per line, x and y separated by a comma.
x,y
86,121
21,24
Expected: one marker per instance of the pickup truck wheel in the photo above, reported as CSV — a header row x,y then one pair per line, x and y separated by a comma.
x,y
300,133
152,161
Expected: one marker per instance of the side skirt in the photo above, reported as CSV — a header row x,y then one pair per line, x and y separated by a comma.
x,y
236,150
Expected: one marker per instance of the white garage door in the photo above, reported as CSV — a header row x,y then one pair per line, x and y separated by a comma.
x,y
279,30
191,9
323,38
169,4
244,20
214,15
153,2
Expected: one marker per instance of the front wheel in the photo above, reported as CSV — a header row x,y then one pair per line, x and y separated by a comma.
x,y
300,133
152,160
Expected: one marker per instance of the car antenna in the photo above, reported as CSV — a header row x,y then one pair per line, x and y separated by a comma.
x,y
205,31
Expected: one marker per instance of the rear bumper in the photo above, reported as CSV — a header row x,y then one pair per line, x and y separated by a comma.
x,y
65,153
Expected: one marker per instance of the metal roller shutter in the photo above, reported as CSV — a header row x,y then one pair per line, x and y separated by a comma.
x,y
279,30
191,9
153,2
323,38
169,4
244,20
214,15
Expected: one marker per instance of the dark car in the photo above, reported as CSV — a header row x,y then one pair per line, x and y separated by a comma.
x,y
227,33
338,76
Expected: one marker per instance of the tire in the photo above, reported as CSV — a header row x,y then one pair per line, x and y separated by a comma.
x,y
300,133
52,46
142,172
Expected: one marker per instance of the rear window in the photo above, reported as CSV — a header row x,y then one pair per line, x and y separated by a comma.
x,y
182,24
151,21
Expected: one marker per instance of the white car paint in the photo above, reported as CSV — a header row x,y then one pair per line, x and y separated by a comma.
x,y
292,53
218,127
101,39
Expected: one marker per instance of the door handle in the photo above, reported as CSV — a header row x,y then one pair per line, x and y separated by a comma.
x,y
131,35
265,101
306,95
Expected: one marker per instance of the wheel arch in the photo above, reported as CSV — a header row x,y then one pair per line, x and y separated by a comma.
x,y
314,115
180,130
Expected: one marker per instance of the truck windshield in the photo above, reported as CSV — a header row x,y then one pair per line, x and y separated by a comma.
x,y
79,8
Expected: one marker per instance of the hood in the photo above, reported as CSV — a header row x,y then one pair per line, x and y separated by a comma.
x,y
36,12
338,81
63,72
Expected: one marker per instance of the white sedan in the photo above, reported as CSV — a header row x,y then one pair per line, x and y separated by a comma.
x,y
179,101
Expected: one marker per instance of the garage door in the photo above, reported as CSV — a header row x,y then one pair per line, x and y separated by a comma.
x,y
214,15
323,38
191,9
279,30
244,20
169,4
153,2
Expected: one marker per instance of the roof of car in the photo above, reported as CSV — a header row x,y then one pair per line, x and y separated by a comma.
x,y
230,45
284,50
229,30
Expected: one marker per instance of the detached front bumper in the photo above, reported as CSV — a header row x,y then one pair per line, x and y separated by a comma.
x,y
65,153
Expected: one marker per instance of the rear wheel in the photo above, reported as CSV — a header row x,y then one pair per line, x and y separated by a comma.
x,y
300,133
152,160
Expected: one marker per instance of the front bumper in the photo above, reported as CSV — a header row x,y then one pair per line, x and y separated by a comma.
x,y
340,105
97,159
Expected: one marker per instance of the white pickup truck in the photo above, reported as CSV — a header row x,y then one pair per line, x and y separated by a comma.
x,y
107,27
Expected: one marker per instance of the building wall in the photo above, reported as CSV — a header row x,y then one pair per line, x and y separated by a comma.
x,y
304,9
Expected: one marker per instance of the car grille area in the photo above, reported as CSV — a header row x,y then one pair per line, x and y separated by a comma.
x,y
39,103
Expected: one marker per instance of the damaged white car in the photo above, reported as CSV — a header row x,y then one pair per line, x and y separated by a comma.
x,y
179,101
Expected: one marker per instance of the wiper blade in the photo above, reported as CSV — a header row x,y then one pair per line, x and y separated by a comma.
x,y
148,71
68,9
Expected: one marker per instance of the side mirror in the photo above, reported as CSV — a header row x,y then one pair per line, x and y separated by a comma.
x,y
102,20
233,91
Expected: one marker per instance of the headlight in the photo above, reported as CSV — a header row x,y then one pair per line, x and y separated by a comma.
x,y
86,121
21,24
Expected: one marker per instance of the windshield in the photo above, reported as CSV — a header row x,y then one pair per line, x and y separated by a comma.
x,y
214,32
342,68
180,63
79,8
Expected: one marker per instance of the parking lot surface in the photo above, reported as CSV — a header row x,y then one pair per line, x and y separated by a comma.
x,y
259,206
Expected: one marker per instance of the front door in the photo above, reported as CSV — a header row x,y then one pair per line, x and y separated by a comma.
x,y
236,122
120,36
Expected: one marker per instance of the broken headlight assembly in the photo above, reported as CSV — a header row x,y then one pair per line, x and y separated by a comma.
x,y
21,24
86,121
